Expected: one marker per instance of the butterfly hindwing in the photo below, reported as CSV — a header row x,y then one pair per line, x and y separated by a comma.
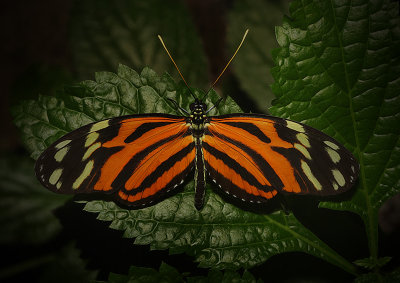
x,y
229,164
137,158
253,156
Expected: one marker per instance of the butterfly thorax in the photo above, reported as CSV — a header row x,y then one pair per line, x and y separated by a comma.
x,y
198,118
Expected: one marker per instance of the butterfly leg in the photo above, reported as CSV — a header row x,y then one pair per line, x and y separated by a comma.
x,y
178,107
199,175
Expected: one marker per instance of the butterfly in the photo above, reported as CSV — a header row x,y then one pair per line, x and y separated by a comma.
x,y
141,159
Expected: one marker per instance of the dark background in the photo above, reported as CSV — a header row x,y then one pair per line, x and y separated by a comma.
x,y
36,53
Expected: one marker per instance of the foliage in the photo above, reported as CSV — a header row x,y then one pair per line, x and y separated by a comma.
x,y
220,235
26,210
252,65
342,61
167,274
337,69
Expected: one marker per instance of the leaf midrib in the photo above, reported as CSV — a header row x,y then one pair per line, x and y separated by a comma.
x,y
370,212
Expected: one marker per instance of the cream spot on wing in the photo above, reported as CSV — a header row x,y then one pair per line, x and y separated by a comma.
x,y
62,144
303,139
331,145
303,150
59,156
310,175
90,150
86,172
338,177
58,185
100,125
55,176
335,186
91,138
333,155
295,126
352,169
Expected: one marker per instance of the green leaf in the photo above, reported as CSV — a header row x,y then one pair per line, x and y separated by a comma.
x,y
43,121
338,71
372,263
107,33
66,266
253,63
224,277
26,209
392,277
220,235
136,274
63,266
167,273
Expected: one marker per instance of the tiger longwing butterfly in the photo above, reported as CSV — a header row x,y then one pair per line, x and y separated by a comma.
x,y
139,159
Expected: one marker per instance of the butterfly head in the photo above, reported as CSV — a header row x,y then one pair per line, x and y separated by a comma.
x,y
198,107
198,110
197,117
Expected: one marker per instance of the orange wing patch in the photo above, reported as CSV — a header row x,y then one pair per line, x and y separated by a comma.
x,y
135,158
115,164
160,167
255,151
278,154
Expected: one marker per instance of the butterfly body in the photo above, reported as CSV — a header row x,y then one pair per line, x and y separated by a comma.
x,y
198,121
141,159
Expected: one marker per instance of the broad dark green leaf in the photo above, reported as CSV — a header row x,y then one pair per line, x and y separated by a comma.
x,y
45,120
137,274
372,263
253,63
63,265
167,274
338,70
224,277
107,33
392,277
26,209
220,235
67,266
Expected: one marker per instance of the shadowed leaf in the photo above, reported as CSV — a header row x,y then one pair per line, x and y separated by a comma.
x,y
338,70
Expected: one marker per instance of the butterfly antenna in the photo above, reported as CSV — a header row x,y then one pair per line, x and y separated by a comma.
x,y
234,54
176,66
223,71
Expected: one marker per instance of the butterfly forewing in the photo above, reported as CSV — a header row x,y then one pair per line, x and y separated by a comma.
x,y
139,158
253,156
136,158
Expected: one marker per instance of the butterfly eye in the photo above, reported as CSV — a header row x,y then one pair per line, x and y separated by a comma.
x,y
192,106
204,106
